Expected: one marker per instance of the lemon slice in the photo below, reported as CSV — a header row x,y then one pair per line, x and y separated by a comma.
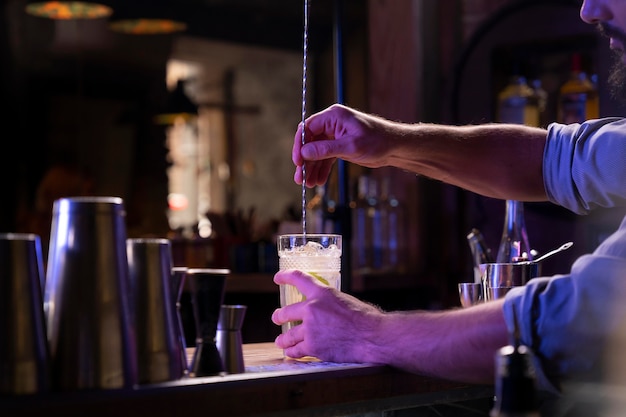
x,y
319,278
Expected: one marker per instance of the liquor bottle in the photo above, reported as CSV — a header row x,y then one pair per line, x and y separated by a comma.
x,y
514,246
517,103
578,97
481,254
515,383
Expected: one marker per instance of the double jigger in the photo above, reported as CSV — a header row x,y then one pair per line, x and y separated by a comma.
x,y
107,315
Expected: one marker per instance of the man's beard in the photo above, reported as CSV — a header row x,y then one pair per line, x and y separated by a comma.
x,y
617,75
617,78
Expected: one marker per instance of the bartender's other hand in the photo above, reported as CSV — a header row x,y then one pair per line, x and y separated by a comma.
x,y
335,326
339,132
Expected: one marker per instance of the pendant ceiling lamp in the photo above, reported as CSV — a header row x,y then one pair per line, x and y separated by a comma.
x,y
143,17
68,10
147,26
177,107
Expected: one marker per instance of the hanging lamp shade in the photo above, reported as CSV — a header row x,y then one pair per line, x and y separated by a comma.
x,y
147,26
146,18
67,10
178,106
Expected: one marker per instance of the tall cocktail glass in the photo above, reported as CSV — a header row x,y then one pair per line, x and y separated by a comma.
x,y
317,254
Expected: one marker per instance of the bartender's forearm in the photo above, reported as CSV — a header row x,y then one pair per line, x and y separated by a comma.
x,y
458,344
495,160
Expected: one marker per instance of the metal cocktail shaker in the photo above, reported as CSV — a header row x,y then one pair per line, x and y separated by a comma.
x,y
156,327
24,358
87,296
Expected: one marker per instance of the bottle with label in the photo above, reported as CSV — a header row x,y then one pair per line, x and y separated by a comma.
x,y
517,103
514,246
578,97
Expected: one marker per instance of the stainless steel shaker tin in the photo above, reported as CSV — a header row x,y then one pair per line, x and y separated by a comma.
x,y
156,325
24,357
228,338
87,296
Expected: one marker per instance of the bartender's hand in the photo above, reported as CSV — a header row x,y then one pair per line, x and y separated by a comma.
x,y
335,326
340,132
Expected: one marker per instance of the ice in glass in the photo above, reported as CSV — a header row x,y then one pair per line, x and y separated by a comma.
x,y
317,254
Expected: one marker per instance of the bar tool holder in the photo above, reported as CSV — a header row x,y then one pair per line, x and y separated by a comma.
x,y
207,287
229,341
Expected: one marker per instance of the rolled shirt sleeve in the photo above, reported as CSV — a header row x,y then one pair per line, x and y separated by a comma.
x,y
584,165
568,319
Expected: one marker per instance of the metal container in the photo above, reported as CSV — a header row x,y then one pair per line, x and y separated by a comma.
x,y
494,293
508,274
207,291
24,358
471,293
87,296
228,338
177,285
499,278
154,310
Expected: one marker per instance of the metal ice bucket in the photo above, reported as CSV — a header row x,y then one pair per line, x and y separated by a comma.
x,y
499,278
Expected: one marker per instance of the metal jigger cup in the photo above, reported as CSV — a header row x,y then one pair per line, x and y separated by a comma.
x,y
471,293
87,296
156,326
24,357
228,339
207,295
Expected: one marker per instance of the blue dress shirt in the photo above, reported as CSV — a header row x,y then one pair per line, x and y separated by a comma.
x,y
573,321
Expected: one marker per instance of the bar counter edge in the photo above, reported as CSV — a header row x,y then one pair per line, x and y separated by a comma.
x,y
321,390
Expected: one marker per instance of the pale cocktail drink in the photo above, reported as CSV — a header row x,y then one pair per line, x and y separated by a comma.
x,y
316,254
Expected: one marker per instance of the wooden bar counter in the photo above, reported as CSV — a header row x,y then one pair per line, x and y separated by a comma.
x,y
271,385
